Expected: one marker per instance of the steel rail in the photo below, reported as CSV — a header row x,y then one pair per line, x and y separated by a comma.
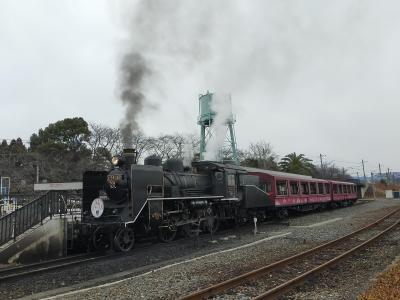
x,y
280,289
30,269
233,282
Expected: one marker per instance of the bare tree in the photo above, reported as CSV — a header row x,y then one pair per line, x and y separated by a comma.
x,y
259,155
193,142
104,139
142,144
163,146
331,171
175,145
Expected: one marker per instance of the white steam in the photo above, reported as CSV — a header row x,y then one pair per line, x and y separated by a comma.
x,y
221,104
187,154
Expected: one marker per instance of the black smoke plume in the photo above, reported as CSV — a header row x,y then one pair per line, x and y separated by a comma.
x,y
133,70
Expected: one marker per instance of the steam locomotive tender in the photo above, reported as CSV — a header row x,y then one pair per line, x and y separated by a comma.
x,y
134,200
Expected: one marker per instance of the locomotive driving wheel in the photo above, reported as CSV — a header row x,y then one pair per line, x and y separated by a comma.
x,y
124,239
167,231
101,239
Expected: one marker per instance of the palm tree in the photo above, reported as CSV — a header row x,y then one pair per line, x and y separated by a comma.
x,y
298,164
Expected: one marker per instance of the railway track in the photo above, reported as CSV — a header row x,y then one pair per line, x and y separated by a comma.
x,y
50,265
273,280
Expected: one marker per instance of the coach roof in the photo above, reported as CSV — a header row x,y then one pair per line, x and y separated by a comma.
x,y
217,165
279,174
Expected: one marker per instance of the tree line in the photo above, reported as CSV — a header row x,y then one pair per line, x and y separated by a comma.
x,y
63,150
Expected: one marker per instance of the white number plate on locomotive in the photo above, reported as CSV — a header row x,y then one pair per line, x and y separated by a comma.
x,y
113,179
97,208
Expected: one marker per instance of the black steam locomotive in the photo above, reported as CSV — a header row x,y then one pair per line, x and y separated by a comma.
x,y
134,200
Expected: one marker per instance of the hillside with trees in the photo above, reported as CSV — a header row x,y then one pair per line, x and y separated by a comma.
x,y
63,150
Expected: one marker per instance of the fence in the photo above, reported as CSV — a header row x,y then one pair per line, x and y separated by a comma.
x,y
14,201
31,214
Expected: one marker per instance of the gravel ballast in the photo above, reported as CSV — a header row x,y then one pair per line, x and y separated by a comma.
x,y
303,233
351,277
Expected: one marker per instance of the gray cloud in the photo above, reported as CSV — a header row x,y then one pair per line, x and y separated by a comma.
x,y
308,76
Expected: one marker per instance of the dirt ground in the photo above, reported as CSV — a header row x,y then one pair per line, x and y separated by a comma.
x,y
386,286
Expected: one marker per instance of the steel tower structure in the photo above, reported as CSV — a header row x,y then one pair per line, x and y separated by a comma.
x,y
206,120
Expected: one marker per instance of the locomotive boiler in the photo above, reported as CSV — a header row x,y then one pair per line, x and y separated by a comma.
x,y
133,200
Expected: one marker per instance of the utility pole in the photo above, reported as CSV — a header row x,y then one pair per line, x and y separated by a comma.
x,y
365,177
322,168
36,166
380,171
373,185
388,175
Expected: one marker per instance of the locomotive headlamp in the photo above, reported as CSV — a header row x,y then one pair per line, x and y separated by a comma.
x,y
115,160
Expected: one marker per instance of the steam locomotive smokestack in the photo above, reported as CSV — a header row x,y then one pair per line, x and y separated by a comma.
x,y
130,156
133,70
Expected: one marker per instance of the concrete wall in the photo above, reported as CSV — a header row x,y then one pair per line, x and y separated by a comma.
x,y
364,190
44,242
389,194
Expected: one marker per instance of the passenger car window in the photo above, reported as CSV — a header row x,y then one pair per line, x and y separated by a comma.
x,y
321,188
294,188
313,188
327,188
304,188
281,187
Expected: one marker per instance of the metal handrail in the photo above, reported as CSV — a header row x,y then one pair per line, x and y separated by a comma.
x,y
31,214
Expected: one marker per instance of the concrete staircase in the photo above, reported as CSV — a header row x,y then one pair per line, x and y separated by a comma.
x,y
35,231
38,243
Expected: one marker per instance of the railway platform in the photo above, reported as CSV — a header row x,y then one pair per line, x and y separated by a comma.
x,y
37,230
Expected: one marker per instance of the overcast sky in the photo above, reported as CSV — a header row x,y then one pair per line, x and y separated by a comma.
x,y
307,76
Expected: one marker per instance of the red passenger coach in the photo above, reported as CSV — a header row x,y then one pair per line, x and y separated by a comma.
x,y
303,192
343,191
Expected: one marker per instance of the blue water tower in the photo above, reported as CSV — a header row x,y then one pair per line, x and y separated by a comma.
x,y
206,120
